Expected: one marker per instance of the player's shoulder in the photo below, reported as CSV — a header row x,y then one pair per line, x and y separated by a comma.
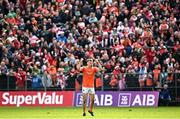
x,y
95,68
84,67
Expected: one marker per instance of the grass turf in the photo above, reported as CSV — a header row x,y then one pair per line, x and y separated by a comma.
x,y
100,113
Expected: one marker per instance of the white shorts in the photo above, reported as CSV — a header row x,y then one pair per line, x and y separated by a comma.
x,y
88,90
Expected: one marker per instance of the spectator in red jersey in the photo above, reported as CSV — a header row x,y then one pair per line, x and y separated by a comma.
x,y
20,79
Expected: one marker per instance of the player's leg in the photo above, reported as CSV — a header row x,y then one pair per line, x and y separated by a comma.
x,y
92,102
85,94
91,94
84,102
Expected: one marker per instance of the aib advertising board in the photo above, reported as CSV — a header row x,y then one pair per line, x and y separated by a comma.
x,y
71,98
122,99
36,98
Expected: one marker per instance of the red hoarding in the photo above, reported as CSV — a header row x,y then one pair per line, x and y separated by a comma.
x,y
36,98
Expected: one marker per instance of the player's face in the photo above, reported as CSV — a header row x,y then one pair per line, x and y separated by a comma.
x,y
90,63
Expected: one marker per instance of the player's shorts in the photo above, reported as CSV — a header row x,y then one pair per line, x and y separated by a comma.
x,y
88,90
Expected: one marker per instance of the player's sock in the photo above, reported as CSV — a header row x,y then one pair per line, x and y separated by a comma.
x,y
92,114
84,114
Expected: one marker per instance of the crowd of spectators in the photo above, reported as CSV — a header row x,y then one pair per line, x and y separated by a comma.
x,y
137,42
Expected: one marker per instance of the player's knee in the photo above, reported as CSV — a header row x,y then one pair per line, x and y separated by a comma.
x,y
92,101
84,102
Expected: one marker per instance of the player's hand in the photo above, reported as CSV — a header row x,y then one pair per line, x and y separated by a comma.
x,y
96,60
81,60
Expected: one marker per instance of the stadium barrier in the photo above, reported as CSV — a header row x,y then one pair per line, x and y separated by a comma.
x,y
71,98
103,82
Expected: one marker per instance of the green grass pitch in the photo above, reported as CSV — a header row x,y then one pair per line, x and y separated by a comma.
x,y
100,113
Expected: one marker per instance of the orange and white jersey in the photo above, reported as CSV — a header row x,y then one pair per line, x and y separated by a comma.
x,y
88,76
146,34
163,27
114,10
136,45
81,25
172,19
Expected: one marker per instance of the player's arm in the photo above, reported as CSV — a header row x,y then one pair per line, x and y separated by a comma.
x,y
79,65
99,68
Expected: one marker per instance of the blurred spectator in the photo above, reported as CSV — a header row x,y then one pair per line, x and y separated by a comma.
x,y
131,79
142,75
36,82
106,82
165,96
156,74
61,79
53,74
28,81
149,81
70,82
3,68
113,83
99,82
46,80
20,79
163,76
122,82
12,80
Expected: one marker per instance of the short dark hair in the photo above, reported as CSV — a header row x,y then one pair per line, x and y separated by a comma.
x,y
89,59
